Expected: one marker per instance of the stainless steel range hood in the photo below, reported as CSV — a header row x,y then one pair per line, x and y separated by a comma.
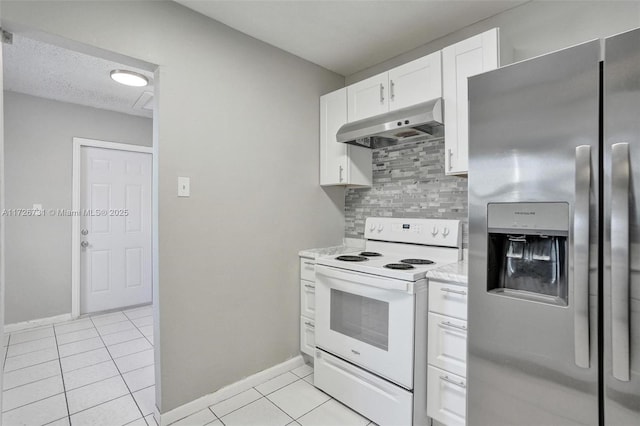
x,y
394,127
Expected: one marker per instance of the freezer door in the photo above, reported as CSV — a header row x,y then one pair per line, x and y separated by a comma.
x,y
621,283
534,139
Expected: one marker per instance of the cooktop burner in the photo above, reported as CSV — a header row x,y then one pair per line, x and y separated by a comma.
x,y
417,261
370,254
402,266
348,258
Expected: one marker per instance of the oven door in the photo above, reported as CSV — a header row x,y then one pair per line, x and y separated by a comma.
x,y
360,319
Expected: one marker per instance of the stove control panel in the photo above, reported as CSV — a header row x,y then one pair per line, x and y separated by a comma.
x,y
437,232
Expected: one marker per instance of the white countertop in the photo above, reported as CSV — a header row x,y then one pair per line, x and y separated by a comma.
x,y
453,272
349,247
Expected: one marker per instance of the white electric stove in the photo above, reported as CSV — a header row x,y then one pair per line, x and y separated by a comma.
x,y
371,317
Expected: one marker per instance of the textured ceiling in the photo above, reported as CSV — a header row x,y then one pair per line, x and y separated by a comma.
x,y
52,72
348,36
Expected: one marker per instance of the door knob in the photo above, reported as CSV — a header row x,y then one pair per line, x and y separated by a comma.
x,y
84,244
84,231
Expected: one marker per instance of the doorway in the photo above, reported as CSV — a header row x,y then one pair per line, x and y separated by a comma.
x,y
112,233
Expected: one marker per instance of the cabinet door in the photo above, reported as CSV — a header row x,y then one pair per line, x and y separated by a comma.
x,y
460,61
368,97
446,397
415,82
447,344
307,336
333,155
307,299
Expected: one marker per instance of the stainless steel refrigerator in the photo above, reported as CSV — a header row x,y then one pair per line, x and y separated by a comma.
x,y
554,239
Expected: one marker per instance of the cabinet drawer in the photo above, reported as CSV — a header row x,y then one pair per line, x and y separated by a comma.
x,y
307,336
446,397
448,344
448,299
307,299
307,269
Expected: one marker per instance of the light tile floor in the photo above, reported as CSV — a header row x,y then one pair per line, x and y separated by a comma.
x,y
96,370
99,371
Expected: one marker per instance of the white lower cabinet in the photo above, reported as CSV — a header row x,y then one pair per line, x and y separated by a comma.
x,y
307,305
448,344
307,299
446,397
307,335
447,353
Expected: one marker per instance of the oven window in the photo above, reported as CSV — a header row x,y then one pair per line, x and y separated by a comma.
x,y
360,318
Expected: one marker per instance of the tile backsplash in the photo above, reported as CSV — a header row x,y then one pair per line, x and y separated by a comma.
x,y
408,181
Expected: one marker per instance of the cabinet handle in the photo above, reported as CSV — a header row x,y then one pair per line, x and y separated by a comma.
x,y
448,324
453,382
448,290
310,286
381,93
392,90
309,263
309,324
340,169
449,155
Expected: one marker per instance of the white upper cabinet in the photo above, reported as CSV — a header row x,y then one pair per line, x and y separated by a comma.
x,y
340,164
409,84
415,82
473,56
368,97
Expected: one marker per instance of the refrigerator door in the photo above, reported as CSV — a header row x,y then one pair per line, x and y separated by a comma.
x,y
534,140
621,274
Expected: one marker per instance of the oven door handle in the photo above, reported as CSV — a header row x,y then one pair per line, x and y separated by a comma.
x,y
368,280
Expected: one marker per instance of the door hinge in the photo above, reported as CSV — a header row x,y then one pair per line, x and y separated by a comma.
x,y
7,37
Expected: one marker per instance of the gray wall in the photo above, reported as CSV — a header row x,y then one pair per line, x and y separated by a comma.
x,y
535,28
408,181
38,154
241,119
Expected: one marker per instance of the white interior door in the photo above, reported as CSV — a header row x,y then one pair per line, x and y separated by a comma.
x,y
115,223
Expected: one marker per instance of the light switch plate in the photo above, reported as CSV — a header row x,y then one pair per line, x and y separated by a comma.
x,y
184,189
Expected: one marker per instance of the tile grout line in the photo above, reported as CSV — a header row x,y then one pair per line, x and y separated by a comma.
x,y
6,353
64,387
120,372
33,402
143,335
314,408
262,395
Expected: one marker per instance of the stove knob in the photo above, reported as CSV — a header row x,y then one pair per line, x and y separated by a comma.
x,y
445,232
434,231
380,227
372,227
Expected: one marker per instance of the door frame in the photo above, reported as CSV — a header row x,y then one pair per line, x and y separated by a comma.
x,y
78,143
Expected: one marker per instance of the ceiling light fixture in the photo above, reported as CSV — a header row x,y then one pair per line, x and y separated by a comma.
x,y
129,78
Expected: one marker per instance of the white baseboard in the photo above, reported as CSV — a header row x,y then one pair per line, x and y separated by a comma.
x,y
19,326
228,391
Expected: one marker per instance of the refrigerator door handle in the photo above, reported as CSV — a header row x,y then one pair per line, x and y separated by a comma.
x,y
620,260
581,256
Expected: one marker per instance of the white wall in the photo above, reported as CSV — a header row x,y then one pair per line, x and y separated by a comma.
x,y
240,118
535,28
38,154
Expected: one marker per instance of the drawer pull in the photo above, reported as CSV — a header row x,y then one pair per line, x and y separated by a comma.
x,y
309,263
448,324
310,286
309,324
448,290
453,382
